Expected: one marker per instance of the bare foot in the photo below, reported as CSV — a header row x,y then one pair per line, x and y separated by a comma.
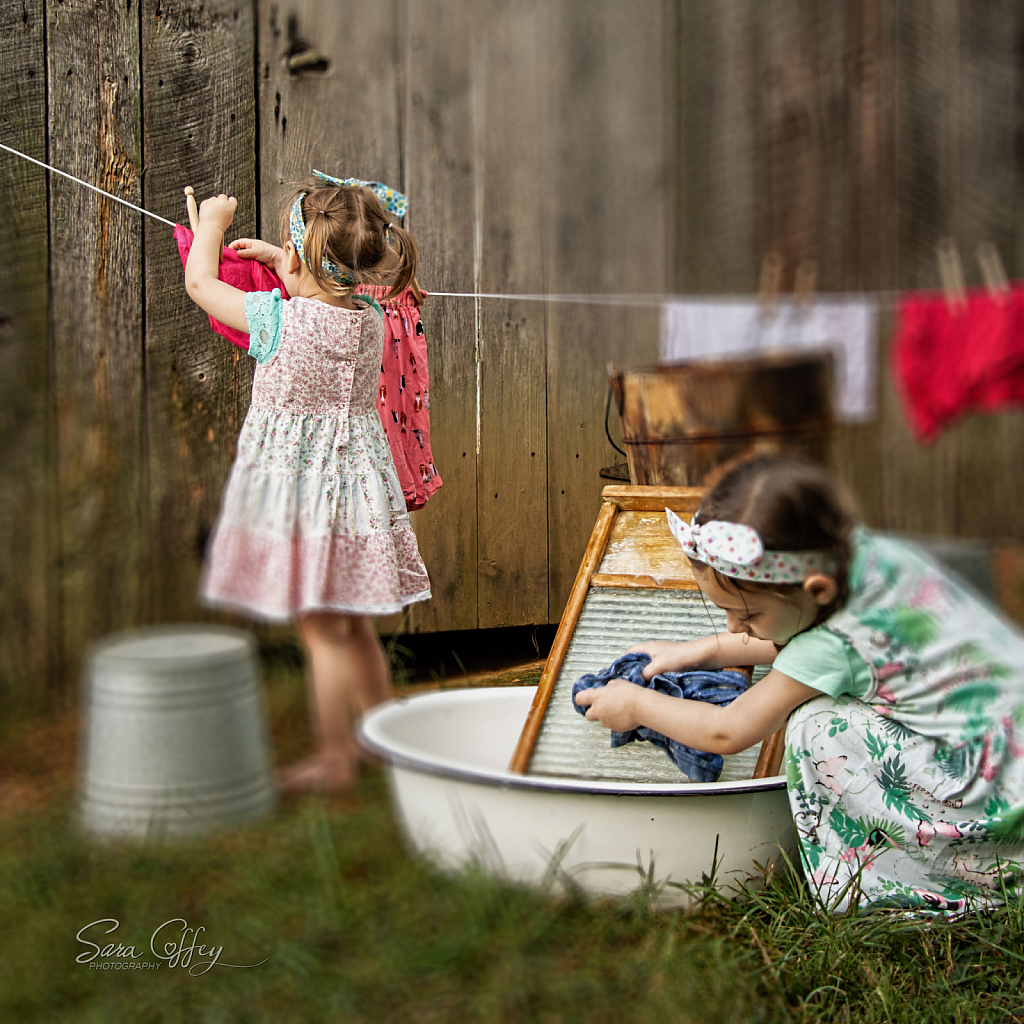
x,y
317,774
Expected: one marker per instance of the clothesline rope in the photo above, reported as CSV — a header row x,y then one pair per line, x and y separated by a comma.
x,y
641,300
658,299
71,177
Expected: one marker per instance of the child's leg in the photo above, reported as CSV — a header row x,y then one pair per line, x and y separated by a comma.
x,y
346,667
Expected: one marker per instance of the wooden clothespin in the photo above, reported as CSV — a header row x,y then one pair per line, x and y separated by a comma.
x,y
951,273
771,283
804,285
993,273
193,210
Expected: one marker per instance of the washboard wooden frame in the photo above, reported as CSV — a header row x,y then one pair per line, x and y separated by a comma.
x,y
630,548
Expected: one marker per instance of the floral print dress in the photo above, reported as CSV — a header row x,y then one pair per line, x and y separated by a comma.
x,y
313,516
910,793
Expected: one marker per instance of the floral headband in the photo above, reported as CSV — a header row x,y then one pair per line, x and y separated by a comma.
x,y
734,549
394,202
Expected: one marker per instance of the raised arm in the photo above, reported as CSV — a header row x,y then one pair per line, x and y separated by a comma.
x,y
221,300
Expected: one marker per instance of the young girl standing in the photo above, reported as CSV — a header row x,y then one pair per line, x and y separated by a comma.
x,y
903,690
313,525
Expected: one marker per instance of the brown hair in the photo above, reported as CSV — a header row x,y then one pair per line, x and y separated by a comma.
x,y
349,226
795,505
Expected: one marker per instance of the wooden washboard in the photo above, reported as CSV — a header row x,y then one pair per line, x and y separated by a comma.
x,y
635,585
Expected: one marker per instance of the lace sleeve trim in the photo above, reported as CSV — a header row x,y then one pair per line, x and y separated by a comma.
x,y
263,312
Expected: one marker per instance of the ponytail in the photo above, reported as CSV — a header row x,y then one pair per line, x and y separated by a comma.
x,y
317,246
408,259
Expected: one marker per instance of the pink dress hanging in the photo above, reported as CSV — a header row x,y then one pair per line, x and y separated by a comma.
x,y
404,397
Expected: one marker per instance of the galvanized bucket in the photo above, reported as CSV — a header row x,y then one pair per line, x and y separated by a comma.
x,y
176,742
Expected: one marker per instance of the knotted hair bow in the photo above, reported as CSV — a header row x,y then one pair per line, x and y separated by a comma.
x,y
735,549
394,202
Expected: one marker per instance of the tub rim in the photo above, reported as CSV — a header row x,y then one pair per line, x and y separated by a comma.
x,y
400,755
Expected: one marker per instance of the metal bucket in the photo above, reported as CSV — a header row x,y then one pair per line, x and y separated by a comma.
x,y
682,420
176,739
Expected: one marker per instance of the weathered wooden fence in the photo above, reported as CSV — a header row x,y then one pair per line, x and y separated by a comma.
x,y
858,134
546,147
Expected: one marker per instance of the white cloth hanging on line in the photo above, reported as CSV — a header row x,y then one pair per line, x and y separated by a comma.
x,y
723,327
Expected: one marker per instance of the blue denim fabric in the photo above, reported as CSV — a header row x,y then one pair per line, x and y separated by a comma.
x,y
720,688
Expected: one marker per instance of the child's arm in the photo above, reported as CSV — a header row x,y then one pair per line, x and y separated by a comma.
x,y
760,711
709,652
219,299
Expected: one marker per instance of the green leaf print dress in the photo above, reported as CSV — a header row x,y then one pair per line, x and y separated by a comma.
x,y
906,779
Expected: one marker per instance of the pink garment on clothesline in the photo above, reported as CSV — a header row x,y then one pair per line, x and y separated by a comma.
x,y
404,397
948,362
247,275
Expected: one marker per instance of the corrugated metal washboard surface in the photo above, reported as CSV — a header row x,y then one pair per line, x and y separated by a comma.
x,y
612,620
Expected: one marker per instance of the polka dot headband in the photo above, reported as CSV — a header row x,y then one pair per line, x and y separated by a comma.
x,y
734,549
394,202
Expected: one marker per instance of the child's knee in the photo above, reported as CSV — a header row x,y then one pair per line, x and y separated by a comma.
x,y
328,627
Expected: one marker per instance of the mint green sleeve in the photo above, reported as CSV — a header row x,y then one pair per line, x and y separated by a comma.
x,y
826,662
263,311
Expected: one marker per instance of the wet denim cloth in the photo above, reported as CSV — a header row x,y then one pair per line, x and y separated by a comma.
x,y
720,688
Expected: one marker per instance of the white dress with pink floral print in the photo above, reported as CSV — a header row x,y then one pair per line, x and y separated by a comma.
x,y
313,516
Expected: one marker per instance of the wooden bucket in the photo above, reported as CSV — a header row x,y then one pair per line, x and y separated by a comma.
x,y
175,738
682,420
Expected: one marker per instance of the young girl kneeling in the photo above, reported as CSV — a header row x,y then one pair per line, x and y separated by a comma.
x,y
903,691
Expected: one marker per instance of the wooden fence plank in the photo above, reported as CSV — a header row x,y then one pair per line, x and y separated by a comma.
x,y
95,134
989,486
857,451
440,179
199,120
918,482
511,82
719,231
609,232
794,106
29,640
826,154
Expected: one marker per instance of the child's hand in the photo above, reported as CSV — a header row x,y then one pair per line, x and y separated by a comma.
x,y
667,656
613,705
255,249
218,211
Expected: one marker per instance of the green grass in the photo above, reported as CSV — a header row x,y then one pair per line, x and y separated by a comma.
x,y
353,929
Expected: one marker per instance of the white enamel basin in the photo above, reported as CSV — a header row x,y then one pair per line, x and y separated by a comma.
x,y
447,756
